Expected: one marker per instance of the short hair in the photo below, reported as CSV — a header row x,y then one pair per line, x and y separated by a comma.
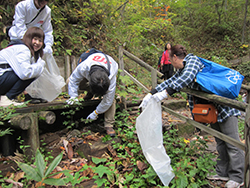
x,y
99,82
178,50
27,39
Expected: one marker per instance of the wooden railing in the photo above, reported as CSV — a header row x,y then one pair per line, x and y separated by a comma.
x,y
211,97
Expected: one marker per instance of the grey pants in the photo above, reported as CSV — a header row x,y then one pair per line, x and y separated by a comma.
x,y
231,160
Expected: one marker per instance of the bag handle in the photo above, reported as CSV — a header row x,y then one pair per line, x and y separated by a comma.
x,y
36,16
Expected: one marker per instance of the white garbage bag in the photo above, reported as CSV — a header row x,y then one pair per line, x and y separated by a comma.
x,y
149,131
49,84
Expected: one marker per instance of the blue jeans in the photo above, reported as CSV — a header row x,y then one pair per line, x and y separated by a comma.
x,y
11,85
231,160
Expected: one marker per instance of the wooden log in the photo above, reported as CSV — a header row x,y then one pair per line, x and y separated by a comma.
x,y
21,121
31,137
217,99
48,116
247,151
209,130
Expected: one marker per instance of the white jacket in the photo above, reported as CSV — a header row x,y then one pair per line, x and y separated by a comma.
x,y
25,11
82,71
19,58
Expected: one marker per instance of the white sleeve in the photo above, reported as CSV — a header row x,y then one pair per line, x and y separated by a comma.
x,y
75,78
48,31
21,64
20,26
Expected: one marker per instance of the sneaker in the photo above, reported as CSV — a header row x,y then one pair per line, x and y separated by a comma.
x,y
34,100
5,101
110,131
233,184
217,177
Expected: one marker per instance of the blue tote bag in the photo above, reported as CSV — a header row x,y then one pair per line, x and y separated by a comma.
x,y
219,80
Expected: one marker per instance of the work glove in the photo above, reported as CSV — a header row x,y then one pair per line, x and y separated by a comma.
x,y
145,100
160,95
93,115
47,50
72,100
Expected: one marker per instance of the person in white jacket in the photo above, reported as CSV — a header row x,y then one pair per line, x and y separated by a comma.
x,y
32,13
98,78
20,64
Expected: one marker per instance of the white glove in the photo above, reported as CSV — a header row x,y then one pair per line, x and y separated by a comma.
x,y
161,95
93,115
72,100
145,100
47,50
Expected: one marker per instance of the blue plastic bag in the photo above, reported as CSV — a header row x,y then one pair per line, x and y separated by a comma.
x,y
219,80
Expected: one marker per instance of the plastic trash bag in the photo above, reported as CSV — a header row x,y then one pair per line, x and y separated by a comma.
x,y
149,131
49,84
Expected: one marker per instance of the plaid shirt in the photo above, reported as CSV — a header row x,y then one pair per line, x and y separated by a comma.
x,y
185,77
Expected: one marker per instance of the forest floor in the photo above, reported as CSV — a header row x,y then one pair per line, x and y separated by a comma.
x,y
78,147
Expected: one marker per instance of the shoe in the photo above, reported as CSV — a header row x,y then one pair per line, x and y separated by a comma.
x,y
233,184
110,131
217,177
5,101
34,100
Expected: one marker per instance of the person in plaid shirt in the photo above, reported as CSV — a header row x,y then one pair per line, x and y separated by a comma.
x,y
230,162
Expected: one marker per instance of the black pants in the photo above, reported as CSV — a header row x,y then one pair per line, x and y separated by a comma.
x,y
167,70
11,85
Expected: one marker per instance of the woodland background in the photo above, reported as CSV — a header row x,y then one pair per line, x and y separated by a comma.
x,y
214,29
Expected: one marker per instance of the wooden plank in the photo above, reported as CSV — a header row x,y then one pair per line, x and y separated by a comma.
x,y
136,81
140,62
217,99
247,152
209,130
56,105
247,87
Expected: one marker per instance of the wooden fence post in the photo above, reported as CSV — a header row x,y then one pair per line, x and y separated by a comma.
x,y
154,78
67,69
31,136
121,64
247,152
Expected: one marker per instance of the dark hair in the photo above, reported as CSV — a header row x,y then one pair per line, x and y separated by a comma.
x,y
166,46
27,39
179,51
99,82
42,0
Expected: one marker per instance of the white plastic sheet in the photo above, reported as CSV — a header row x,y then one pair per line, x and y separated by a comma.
x,y
149,131
49,84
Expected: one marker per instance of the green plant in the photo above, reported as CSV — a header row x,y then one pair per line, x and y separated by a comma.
x,y
241,128
39,174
